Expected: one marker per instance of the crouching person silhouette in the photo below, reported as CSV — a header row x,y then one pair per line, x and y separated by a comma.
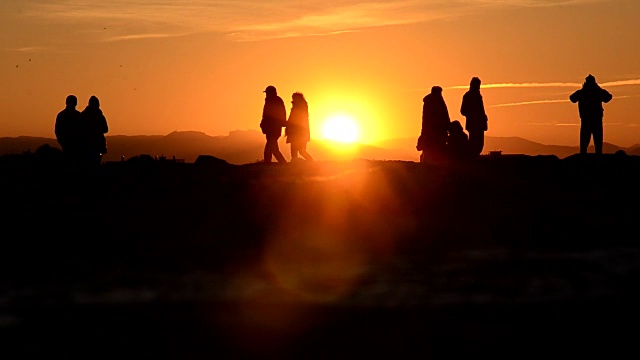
x,y
457,142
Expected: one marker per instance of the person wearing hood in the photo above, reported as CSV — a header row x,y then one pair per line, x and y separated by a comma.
x,y
96,126
297,130
435,124
590,98
472,108
274,118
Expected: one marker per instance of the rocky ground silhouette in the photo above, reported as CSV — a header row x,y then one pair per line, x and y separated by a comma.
x,y
509,256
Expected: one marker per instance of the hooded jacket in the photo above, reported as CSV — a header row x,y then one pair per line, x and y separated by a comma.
x,y
298,124
590,99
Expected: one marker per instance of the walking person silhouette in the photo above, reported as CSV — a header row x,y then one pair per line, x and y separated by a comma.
x,y
590,98
297,130
472,109
274,118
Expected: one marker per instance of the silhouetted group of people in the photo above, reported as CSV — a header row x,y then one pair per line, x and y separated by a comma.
x,y
274,118
442,138
81,134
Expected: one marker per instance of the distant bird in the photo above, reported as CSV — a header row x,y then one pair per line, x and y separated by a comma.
x,y
120,65
29,59
17,65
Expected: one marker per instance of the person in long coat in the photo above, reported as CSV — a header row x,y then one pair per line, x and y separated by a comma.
x,y
590,98
274,118
96,126
297,129
435,125
477,122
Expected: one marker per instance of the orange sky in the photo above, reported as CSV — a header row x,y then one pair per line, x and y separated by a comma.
x,y
202,65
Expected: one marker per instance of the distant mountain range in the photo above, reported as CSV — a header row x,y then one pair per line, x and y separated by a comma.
x,y
241,147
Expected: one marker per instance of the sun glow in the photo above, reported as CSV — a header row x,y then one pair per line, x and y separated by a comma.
x,y
341,128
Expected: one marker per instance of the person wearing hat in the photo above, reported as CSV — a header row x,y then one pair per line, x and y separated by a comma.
x,y
590,98
274,117
472,108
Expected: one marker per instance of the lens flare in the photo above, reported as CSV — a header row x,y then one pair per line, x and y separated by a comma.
x,y
341,128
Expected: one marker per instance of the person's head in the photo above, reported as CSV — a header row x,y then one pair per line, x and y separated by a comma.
x,y
475,83
271,90
455,127
94,102
590,80
71,101
437,90
298,97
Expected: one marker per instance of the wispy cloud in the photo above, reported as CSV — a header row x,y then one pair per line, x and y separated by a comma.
x,y
138,37
548,85
30,49
531,103
248,20
549,101
553,124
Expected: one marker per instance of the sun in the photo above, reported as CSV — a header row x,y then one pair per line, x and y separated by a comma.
x,y
341,128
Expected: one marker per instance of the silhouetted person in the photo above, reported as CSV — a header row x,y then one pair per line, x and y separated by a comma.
x,y
297,130
69,130
457,142
96,126
435,124
472,109
590,99
274,118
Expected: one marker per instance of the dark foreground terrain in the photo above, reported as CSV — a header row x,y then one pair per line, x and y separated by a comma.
x,y
510,256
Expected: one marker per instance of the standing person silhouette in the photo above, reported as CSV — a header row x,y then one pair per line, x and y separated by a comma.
x,y
68,129
96,124
472,109
590,99
274,118
435,124
297,130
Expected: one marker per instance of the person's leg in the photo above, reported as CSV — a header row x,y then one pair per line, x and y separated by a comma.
x,y
268,150
585,138
304,153
475,143
480,142
294,151
276,152
598,137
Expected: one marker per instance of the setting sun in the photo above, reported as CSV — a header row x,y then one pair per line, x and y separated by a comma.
x,y
340,128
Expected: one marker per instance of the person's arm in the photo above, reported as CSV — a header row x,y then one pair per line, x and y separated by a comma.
x,y
575,97
606,96
104,128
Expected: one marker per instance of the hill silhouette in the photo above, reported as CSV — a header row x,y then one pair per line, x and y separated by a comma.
x,y
246,146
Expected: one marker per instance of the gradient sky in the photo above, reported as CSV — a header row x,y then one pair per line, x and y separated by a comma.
x,y
160,66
